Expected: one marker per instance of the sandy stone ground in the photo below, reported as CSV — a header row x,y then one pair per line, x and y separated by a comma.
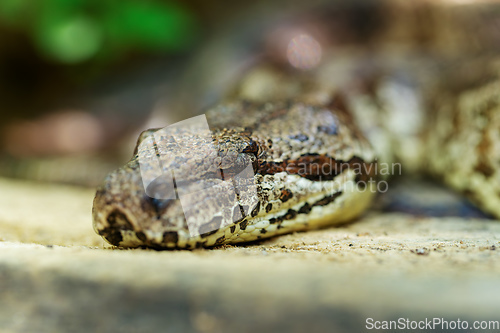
x,y
57,275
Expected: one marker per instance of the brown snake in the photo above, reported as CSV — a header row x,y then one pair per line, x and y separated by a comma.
x,y
421,92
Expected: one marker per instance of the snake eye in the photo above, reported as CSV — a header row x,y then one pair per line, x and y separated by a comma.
x,y
247,156
252,148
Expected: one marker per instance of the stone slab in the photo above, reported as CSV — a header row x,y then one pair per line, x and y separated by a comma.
x,y
56,275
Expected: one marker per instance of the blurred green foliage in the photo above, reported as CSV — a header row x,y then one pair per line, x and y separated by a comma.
x,y
74,31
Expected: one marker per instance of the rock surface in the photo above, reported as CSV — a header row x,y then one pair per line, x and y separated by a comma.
x,y
56,275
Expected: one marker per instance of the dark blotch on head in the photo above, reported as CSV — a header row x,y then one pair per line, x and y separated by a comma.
x,y
141,236
326,200
170,237
305,209
273,220
117,222
263,231
290,214
112,236
243,210
233,228
239,213
220,240
256,210
243,225
200,244
117,219
269,207
286,195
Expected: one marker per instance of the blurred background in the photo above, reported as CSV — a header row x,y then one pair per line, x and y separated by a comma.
x,y
77,76
79,79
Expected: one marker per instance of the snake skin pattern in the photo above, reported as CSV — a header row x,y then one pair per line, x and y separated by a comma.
x,y
418,90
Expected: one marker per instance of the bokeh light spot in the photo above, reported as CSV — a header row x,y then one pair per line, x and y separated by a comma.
x,y
304,52
152,26
72,40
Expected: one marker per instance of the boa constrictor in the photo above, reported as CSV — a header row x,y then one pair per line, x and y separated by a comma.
x,y
414,86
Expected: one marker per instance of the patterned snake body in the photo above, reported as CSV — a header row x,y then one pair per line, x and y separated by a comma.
x,y
314,141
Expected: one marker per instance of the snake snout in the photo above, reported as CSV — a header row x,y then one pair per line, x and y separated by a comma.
x,y
112,225
113,215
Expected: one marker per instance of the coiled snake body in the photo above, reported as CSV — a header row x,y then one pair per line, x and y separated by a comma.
x,y
316,140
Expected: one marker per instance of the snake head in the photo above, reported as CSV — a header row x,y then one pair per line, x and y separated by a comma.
x,y
171,194
257,171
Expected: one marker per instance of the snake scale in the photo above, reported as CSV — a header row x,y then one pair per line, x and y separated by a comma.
x,y
416,87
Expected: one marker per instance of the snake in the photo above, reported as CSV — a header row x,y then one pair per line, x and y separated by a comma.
x,y
418,93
